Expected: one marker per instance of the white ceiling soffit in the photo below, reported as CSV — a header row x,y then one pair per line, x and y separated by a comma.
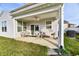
x,y
42,16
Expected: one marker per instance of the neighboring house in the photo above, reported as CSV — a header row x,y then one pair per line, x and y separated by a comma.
x,y
68,25
71,25
32,19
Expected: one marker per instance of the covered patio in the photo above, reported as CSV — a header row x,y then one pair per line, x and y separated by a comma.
x,y
33,28
41,20
45,24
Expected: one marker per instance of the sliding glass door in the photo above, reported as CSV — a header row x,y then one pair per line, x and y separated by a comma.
x,y
34,28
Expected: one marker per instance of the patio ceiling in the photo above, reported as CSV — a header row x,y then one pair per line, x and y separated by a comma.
x,y
35,10
40,16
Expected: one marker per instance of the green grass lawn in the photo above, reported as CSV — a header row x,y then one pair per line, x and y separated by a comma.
x,y
11,47
71,45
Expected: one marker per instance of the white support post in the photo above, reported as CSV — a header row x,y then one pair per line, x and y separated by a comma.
x,y
22,25
61,33
62,27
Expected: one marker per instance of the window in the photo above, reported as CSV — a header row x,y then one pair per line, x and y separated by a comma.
x,y
19,26
48,24
4,26
24,26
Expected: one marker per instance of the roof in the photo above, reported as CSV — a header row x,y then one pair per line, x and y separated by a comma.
x,y
66,21
30,4
25,5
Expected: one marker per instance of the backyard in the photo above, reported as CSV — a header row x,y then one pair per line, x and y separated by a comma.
x,y
11,47
72,45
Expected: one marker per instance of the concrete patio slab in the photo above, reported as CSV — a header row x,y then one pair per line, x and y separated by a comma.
x,y
49,42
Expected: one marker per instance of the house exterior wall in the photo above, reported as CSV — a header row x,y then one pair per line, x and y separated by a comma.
x,y
65,26
72,25
9,23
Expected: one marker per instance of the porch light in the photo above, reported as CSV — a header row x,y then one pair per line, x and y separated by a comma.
x,y
36,18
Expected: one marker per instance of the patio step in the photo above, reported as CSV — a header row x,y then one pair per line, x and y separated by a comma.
x,y
53,52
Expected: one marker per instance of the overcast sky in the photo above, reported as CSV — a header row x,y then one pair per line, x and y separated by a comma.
x,y
71,12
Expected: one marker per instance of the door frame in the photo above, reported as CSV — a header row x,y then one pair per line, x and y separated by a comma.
x,y
33,32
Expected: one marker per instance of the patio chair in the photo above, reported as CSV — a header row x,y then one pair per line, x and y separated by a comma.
x,y
25,33
43,34
53,34
37,33
22,34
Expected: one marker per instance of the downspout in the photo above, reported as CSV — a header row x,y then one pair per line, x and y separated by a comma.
x,y
61,33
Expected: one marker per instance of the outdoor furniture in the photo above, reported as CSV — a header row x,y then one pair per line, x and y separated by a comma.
x,y
53,35
25,33
37,33
43,34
